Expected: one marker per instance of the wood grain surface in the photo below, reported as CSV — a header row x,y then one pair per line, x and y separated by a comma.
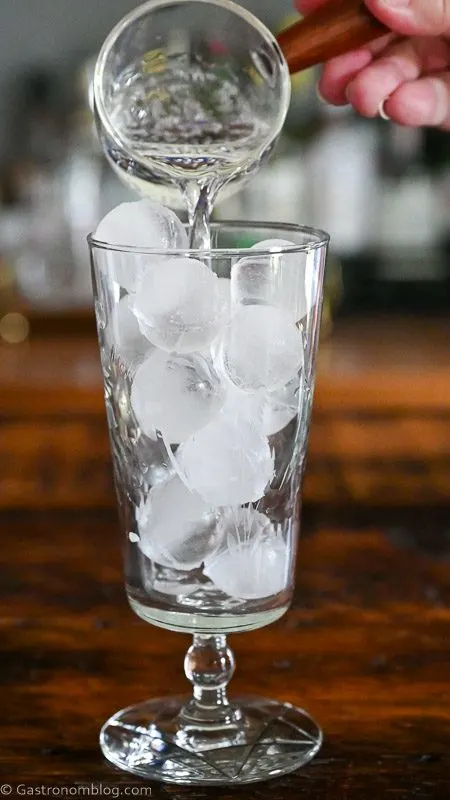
x,y
365,648
380,433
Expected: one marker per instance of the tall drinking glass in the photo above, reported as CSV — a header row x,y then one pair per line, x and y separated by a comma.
x,y
209,363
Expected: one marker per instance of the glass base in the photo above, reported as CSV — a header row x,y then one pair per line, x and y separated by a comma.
x,y
149,740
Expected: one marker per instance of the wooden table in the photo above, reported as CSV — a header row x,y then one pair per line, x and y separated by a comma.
x,y
365,648
380,433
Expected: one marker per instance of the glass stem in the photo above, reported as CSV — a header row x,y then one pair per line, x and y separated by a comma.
x,y
209,719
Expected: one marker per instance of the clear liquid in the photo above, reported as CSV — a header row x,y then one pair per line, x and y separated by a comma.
x,y
189,621
186,132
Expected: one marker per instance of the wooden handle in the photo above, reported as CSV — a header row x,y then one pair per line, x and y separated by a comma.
x,y
335,28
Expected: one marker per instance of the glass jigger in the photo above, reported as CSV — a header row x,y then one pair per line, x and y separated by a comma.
x,y
209,376
190,96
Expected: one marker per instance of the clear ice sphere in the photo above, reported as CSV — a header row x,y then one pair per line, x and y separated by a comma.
x,y
262,348
180,304
173,582
280,407
122,334
272,410
177,529
175,394
143,224
253,561
281,280
228,462
242,404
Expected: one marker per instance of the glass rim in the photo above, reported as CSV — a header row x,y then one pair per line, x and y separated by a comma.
x,y
150,5
319,239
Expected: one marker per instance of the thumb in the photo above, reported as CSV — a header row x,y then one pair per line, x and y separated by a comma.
x,y
413,17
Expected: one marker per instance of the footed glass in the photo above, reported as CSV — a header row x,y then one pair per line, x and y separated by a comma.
x,y
209,364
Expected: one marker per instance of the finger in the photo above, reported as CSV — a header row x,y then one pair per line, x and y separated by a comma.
x,y
402,62
413,17
306,6
338,72
423,102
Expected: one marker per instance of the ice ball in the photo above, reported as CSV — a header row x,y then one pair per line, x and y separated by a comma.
x,y
281,279
262,348
272,410
228,462
123,335
242,404
280,407
173,582
179,304
175,394
253,561
177,529
141,224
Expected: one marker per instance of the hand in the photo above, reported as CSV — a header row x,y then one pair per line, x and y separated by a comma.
x,y
407,81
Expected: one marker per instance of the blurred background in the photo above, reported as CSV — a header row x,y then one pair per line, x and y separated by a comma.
x,y
381,432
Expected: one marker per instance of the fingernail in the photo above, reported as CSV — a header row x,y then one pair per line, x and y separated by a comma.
x,y
382,110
